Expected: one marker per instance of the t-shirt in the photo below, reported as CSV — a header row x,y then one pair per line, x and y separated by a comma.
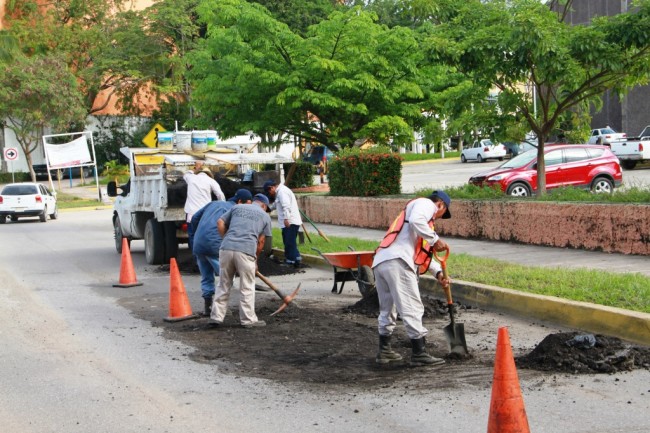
x,y
207,239
245,222
200,188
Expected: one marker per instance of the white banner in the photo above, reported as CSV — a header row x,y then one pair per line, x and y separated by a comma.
x,y
69,154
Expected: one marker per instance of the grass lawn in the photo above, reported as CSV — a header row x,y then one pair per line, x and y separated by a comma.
x,y
628,291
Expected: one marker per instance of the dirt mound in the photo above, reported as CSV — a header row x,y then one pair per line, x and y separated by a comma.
x,y
574,352
369,307
267,266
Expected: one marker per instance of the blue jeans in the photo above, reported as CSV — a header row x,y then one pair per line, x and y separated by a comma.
x,y
209,268
289,238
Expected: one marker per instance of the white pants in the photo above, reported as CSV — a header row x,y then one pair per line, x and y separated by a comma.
x,y
244,264
397,287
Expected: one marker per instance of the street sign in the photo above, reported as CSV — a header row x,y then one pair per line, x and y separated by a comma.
x,y
151,139
11,154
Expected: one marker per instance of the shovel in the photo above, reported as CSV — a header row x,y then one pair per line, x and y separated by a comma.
x,y
454,332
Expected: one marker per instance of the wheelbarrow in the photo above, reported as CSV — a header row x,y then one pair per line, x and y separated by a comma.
x,y
351,266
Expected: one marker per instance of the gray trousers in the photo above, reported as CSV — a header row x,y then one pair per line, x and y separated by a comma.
x,y
397,287
244,264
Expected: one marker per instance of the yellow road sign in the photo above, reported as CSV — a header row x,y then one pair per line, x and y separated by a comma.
x,y
151,139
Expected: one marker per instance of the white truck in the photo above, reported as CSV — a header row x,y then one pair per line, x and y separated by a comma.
x,y
150,205
634,150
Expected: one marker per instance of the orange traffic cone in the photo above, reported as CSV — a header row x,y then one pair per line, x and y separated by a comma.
x,y
507,411
179,304
127,273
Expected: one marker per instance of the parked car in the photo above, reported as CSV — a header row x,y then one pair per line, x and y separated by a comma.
x,y
316,154
579,165
41,172
20,200
482,150
513,148
606,136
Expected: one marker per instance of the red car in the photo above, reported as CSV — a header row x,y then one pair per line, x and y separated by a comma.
x,y
581,165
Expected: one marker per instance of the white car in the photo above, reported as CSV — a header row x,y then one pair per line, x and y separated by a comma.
x,y
21,200
606,136
483,150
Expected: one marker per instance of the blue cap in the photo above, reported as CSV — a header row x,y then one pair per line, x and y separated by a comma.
x,y
262,198
445,199
242,195
268,184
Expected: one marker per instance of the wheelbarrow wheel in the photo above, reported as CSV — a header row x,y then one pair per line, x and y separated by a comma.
x,y
366,281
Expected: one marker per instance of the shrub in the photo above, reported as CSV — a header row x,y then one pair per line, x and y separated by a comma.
x,y
365,173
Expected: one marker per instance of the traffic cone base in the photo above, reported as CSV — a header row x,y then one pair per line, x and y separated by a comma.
x,y
507,411
179,304
127,273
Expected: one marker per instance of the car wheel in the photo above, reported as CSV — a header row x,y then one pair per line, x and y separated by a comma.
x,y
602,185
154,248
518,189
14,218
43,216
118,234
366,281
54,215
501,159
479,158
462,158
628,165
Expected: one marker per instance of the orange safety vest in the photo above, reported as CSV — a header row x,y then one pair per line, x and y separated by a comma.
x,y
423,251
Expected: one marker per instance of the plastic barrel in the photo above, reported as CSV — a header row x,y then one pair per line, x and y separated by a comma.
x,y
199,141
183,140
165,140
211,137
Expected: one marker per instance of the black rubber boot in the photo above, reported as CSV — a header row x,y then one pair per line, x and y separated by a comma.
x,y
207,305
386,354
420,357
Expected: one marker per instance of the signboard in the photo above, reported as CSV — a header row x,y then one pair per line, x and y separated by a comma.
x,y
151,139
11,154
71,154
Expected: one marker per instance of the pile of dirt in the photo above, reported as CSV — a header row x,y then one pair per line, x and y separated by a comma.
x,y
369,306
579,353
267,265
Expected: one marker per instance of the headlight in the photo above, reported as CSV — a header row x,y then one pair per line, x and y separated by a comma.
x,y
495,178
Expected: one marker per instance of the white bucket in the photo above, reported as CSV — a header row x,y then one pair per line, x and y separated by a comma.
x,y
199,141
211,139
165,140
183,140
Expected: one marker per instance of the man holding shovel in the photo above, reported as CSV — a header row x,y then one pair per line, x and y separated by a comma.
x,y
401,256
244,229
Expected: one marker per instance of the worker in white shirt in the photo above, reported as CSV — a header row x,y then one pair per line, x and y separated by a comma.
x,y
289,220
200,187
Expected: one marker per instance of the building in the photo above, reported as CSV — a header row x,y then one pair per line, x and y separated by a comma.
x,y
630,114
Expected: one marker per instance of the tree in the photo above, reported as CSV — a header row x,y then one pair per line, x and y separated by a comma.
x,y
349,78
38,92
508,45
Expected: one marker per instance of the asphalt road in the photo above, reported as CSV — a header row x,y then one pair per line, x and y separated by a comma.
x,y
75,360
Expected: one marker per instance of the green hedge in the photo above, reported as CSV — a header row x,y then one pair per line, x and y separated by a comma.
x,y
365,173
17,177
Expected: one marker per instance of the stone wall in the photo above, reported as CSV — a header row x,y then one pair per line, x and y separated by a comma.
x,y
611,228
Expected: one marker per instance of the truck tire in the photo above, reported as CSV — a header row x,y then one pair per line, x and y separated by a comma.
x,y
628,165
117,233
171,242
154,247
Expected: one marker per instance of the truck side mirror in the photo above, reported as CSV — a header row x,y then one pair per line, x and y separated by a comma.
x,y
111,189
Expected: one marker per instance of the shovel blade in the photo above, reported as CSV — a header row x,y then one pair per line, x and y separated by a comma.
x,y
455,335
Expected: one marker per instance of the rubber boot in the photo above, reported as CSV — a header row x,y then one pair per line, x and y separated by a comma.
x,y
420,357
386,354
207,305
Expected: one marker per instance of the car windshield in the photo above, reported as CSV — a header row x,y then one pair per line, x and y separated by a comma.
x,y
520,160
19,190
608,131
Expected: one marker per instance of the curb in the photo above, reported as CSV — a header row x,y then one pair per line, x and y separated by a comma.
x,y
628,325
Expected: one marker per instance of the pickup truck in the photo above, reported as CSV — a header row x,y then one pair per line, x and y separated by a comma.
x,y
606,136
633,150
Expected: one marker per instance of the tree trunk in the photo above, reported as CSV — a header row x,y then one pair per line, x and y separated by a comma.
x,y
541,165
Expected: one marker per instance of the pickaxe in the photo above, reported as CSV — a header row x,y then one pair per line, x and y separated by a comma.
x,y
286,299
